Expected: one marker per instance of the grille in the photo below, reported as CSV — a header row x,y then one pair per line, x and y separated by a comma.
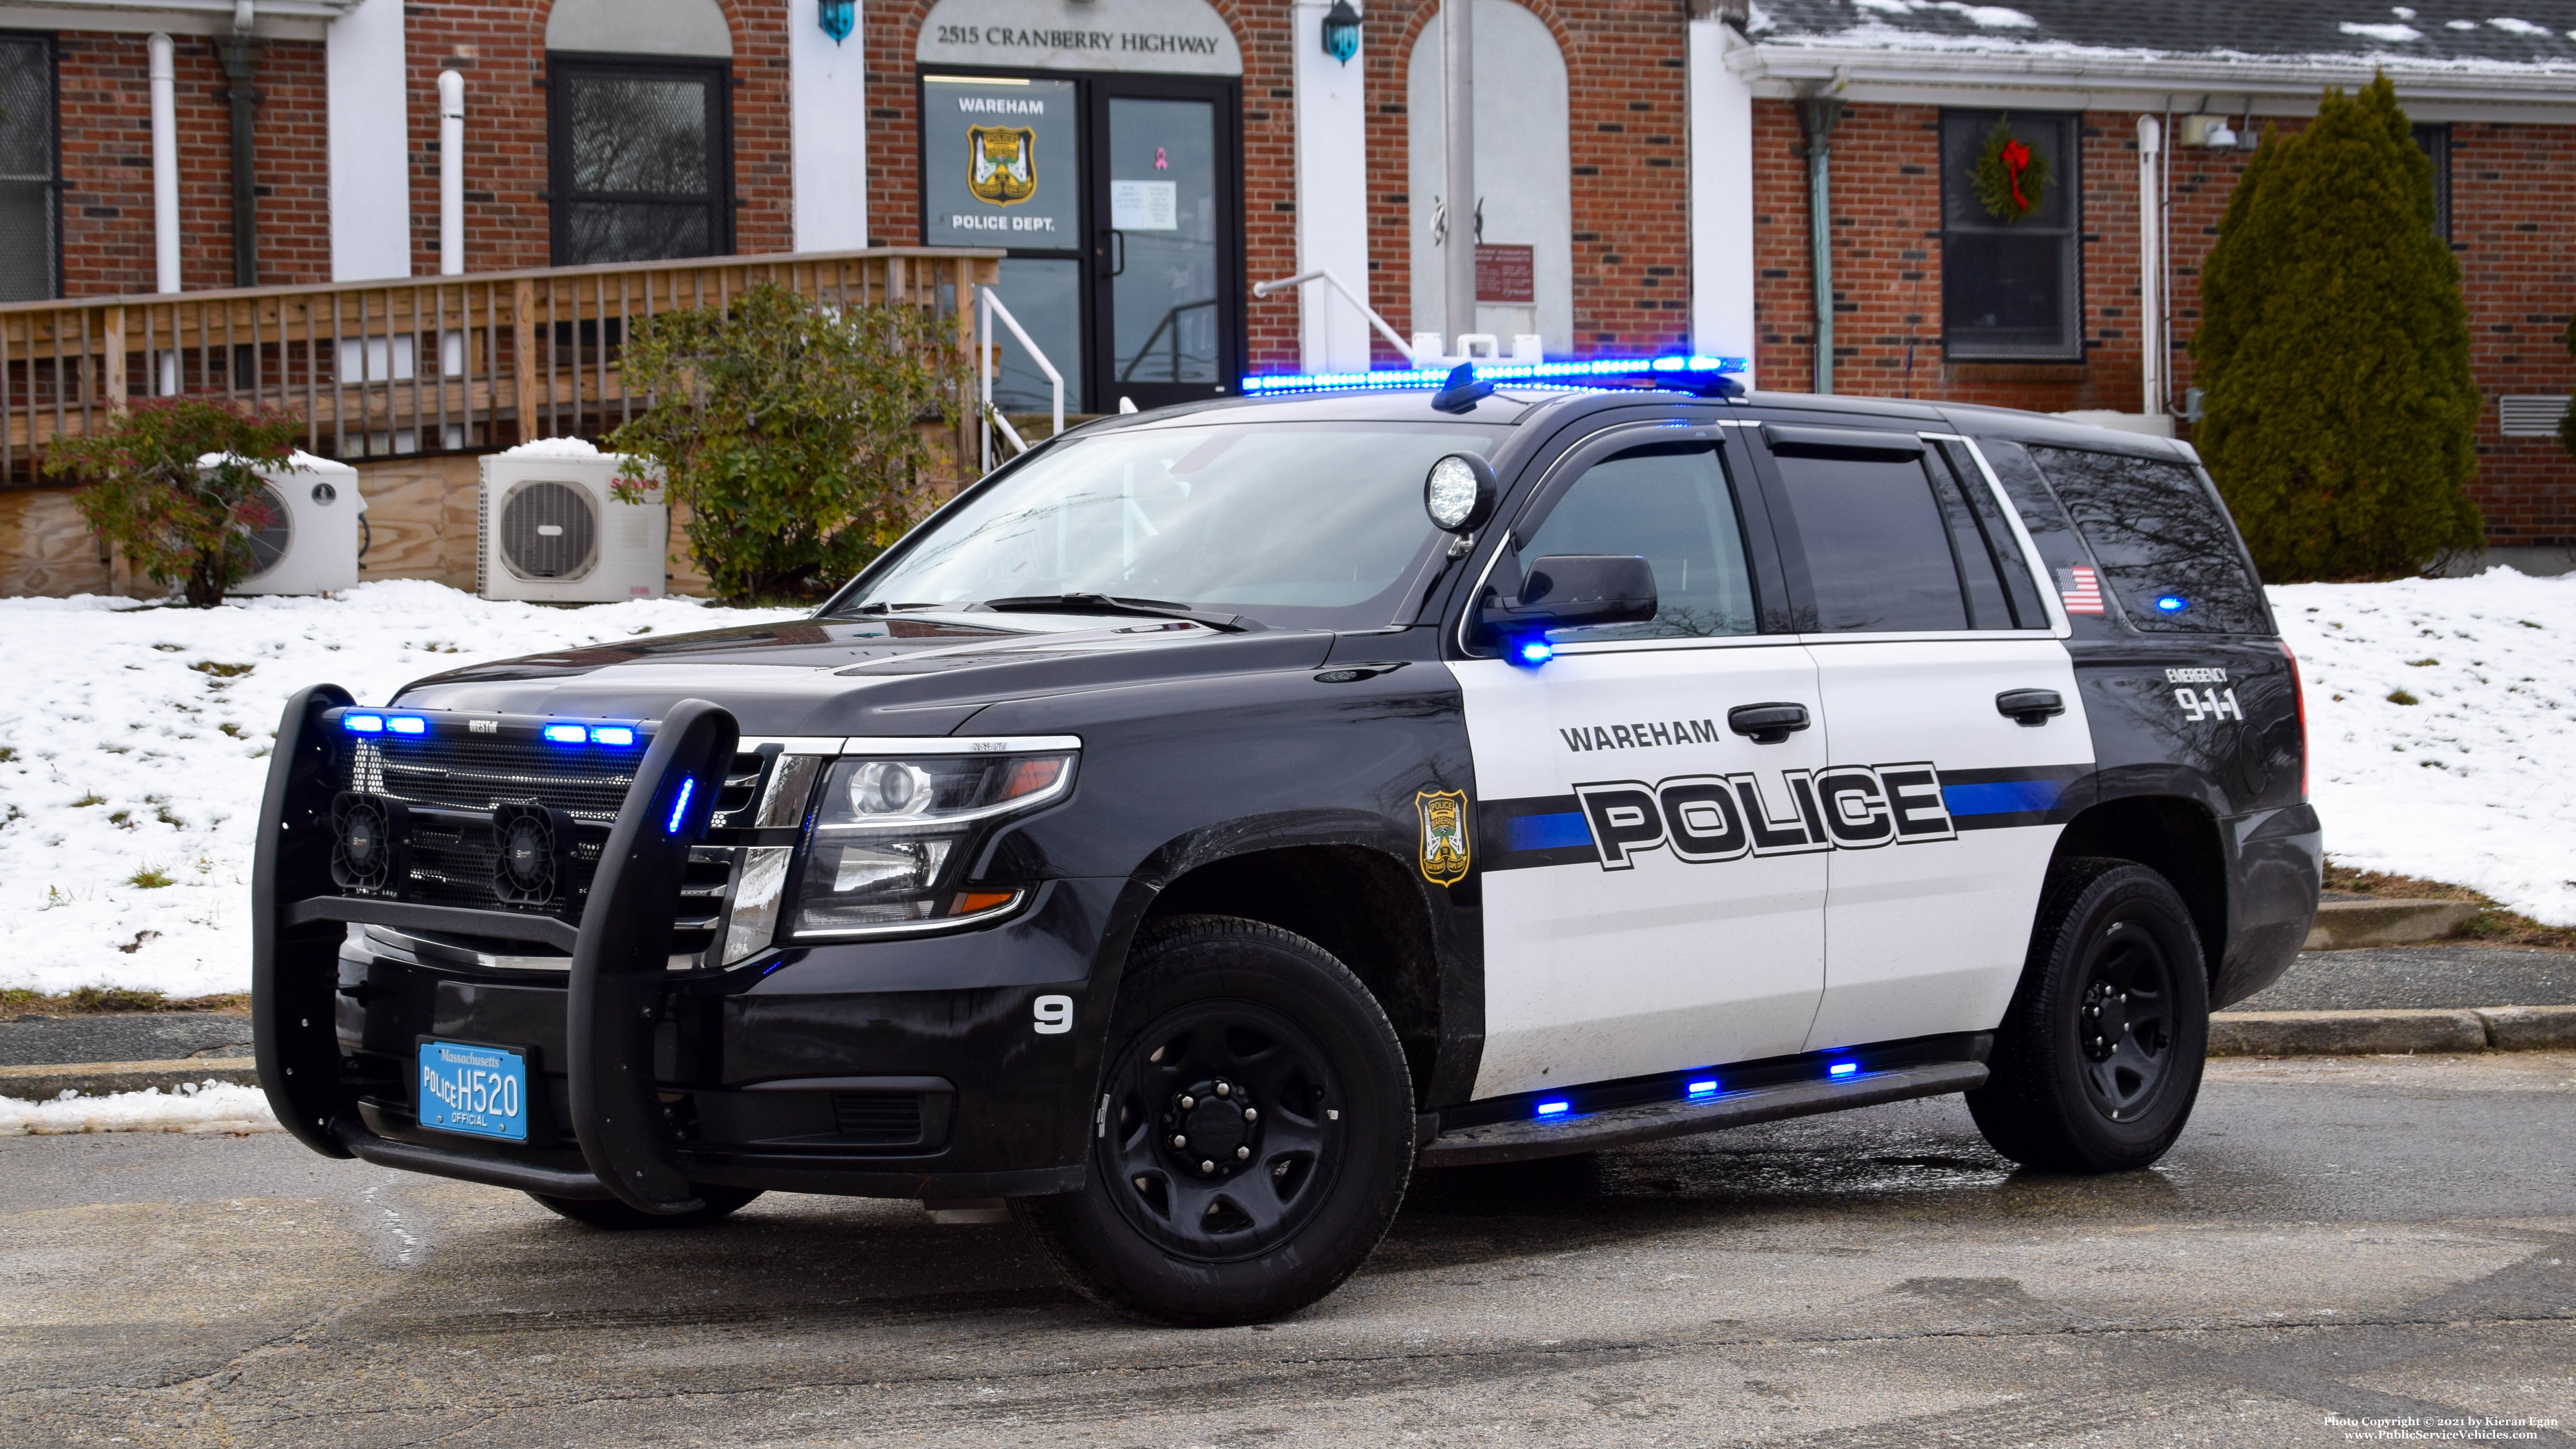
x,y
478,774
878,1119
2531,415
549,531
273,533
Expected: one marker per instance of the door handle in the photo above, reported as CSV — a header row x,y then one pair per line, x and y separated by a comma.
x,y
2033,707
1767,724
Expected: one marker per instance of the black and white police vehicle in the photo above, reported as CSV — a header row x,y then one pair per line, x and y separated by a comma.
x,y
1217,813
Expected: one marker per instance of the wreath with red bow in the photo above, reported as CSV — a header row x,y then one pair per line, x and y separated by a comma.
x,y
2011,179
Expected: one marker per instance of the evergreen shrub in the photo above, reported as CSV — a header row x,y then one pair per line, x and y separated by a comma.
x,y
2334,351
175,521
791,431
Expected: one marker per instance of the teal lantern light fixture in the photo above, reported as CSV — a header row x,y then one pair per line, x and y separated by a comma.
x,y
1342,32
838,16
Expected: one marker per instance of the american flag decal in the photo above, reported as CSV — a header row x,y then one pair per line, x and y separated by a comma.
x,y
2080,590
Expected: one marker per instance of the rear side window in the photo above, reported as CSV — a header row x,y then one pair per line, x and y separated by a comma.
x,y
1890,546
2166,549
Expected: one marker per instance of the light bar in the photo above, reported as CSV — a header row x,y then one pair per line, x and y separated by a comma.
x,y
680,807
1555,1109
611,735
407,724
363,724
565,734
1842,1069
1574,373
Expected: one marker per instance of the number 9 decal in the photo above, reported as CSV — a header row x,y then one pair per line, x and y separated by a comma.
x,y
1055,1015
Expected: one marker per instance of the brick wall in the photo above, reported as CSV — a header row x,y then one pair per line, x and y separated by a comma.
x,y
106,126
1628,133
2510,211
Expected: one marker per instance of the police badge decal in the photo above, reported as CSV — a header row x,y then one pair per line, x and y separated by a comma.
x,y
1444,835
1002,163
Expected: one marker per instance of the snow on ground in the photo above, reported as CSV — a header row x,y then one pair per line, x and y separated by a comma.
x,y
208,1106
131,742
2470,782
135,739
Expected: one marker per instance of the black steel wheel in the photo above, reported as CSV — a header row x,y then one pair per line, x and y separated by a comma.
x,y
2098,1063
609,1213
1255,1130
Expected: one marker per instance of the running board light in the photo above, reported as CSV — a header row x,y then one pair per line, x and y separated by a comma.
x,y
1701,1091
1554,1109
1842,1069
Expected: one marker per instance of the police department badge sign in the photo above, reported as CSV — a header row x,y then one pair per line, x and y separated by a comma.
x,y
1444,835
1002,163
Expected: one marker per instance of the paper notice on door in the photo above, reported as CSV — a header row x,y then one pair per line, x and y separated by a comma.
x,y
1145,205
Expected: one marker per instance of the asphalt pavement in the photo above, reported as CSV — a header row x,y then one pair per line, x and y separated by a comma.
x,y
154,1036
2387,1239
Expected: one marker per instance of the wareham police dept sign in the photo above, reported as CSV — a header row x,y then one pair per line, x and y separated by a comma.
x,y
1184,37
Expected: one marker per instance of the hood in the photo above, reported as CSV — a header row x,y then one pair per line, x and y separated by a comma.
x,y
914,674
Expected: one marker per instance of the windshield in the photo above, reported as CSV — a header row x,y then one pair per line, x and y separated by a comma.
x,y
1314,525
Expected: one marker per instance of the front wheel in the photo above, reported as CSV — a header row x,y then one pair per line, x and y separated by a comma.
x,y
2098,1062
1255,1133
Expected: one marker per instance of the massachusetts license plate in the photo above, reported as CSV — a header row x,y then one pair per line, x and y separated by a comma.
x,y
481,1091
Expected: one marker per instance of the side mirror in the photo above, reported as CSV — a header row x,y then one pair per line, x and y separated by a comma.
x,y
1573,590
1460,492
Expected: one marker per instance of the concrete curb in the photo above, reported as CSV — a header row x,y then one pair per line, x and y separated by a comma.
x,y
98,1079
2370,1033
2347,925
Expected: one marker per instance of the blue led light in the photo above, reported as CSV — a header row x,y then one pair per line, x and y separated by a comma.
x,y
407,724
1697,1090
1533,652
1842,1069
363,724
2172,603
1554,1109
611,735
680,806
1561,372
564,734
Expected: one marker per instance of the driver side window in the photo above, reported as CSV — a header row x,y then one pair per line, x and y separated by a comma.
x,y
1670,504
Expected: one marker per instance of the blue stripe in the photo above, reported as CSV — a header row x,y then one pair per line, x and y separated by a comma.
x,y
2002,797
1550,832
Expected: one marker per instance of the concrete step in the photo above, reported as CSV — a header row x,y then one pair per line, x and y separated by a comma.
x,y
2344,925
2371,1033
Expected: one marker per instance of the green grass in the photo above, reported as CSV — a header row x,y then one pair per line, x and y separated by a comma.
x,y
8,753
88,800
102,1000
2399,696
149,878
222,671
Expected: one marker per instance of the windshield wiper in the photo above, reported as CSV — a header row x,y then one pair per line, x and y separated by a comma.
x,y
1104,604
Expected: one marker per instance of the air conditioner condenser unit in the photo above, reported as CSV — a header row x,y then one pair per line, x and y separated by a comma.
x,y
553,530
307,540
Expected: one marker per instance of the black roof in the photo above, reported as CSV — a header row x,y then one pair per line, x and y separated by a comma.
x,y
2493,32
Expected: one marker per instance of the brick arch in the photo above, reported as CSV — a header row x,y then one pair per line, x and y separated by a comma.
x,y
1420,15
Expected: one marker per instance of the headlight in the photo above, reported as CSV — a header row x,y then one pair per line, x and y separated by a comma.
x,y
890,837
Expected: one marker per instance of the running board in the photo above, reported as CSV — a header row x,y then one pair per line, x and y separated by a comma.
x,y
1521,1141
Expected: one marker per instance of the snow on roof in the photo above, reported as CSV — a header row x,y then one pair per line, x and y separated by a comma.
x,y
2438,33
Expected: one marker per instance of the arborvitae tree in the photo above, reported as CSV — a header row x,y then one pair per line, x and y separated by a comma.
x,y
2335,353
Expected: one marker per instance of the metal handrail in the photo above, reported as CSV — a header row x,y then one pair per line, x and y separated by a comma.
x,y
1325,276
1171,319
991,305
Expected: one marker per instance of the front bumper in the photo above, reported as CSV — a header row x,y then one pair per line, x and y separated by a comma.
x,y
900,1067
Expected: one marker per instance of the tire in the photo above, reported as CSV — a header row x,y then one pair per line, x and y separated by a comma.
x,y
615,1216
1233,1016
2098,1062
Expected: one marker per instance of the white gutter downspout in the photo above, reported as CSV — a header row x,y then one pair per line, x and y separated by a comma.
x,y
451,174
2151,262
165,167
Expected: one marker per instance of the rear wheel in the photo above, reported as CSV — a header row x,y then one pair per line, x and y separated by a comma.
x,y
2098,1062
1256,1136
608,1212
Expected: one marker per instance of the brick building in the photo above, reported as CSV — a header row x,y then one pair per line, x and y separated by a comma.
x,y
1647,171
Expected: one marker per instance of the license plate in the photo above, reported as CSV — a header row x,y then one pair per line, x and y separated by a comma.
x,y
481,1091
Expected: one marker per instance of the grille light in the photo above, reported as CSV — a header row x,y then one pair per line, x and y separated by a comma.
x,y
1842,1069
611,735
679,807
1542,372
407,724
363,724
566,734
1555,1109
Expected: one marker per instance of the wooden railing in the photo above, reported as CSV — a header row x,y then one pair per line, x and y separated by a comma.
x,y
443,364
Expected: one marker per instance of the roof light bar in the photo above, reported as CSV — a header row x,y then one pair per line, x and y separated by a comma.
x,y
1682,370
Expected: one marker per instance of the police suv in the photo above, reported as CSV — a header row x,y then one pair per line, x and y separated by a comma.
x,y
1217,813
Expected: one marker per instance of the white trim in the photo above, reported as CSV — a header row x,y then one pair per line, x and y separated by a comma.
x,y
301,20
369,120
1721,198
2059,624
1332,194
897,745
827,132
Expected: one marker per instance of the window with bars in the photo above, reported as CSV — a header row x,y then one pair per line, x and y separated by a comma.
x,y
641,157
2011,290
30,202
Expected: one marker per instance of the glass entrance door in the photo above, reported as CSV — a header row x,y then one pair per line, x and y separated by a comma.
x,y
1165,216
